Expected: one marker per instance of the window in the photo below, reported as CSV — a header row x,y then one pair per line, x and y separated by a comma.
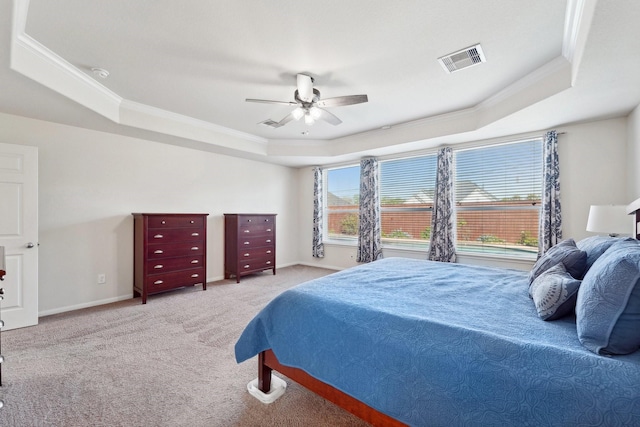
x,y
341,202
406,200
498,192
497,195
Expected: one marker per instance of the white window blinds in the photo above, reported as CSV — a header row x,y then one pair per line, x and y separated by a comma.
x,y
406,200
498,191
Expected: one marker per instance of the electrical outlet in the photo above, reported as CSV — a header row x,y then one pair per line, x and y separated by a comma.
x,y
102,278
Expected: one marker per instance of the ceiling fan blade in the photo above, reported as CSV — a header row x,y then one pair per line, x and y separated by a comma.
x,y
342,100
289,117
266,101
305,87
329,117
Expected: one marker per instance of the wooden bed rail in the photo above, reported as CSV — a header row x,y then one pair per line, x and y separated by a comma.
x,y
267,362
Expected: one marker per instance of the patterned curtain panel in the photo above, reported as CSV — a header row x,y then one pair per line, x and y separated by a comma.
x,y
318,246
369,234
550,229
442,246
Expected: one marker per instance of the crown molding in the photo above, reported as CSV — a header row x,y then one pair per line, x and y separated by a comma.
x,y
34,60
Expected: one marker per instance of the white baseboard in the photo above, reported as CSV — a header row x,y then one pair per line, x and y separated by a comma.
x,y
328,267
84,305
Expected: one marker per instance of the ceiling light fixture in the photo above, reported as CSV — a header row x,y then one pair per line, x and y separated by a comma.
x,y
297,113
308,119
315,112
100,72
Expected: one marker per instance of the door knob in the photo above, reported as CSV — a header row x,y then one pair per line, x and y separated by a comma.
x,y
30,245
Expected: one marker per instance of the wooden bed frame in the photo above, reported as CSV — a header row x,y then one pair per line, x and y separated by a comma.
x,y
267,362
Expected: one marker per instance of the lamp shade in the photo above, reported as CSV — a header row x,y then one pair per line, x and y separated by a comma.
x,y
610,219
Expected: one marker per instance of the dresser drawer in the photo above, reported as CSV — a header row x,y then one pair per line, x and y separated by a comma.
x,y
175,235
167,250
256,264
256,227
263,220
165,265
265,252
192,221
157,282
255,241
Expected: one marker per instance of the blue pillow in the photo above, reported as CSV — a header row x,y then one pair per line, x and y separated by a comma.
x,y
565,252
608,304
595,246
554,293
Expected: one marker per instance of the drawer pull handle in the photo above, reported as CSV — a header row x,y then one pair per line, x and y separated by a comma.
x,y
268,229
268,252
192,222
158,236
195,248
158,266
248,220
163,222
268,240
194,275
247,243
266,220
247,266
195,234
158,251
158,282
195,261
268,262
246,254
247,231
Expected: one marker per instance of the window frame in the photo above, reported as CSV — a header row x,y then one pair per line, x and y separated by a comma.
x,y
327,238
399,247
415,243
502,251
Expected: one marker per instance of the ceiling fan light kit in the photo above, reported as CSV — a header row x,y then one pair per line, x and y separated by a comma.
x,y
309,104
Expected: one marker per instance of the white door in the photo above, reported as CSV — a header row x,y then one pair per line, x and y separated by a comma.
x,y
19,234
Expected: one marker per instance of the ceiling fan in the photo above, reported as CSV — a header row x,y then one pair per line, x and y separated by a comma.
x,y
309,104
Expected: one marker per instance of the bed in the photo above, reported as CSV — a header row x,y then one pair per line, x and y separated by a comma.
x,y
404,341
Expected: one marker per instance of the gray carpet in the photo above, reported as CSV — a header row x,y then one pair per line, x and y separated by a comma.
x,y
167,363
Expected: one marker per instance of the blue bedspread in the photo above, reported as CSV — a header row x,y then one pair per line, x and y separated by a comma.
x,y
434,344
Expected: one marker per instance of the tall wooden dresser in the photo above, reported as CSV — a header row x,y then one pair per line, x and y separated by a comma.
x,y
170,251
249,244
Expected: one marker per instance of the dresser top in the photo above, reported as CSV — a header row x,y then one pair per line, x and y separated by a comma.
x,y
250,214
168,214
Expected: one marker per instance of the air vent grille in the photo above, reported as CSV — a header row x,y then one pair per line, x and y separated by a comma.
x,y
461,59
271,123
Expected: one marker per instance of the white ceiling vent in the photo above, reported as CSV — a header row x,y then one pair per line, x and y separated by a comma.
x,y
271,123
464,58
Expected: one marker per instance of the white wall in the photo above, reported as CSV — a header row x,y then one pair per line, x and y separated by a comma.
x,y
593,159
592,168
90,183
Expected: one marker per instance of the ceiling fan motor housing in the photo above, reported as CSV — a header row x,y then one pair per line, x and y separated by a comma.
x,y
316,97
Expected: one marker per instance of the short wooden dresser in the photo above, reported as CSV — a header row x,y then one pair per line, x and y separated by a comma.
x,y
170,251
250,244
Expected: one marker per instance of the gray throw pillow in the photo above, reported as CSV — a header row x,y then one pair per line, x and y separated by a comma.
x,y
554,293
565,252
